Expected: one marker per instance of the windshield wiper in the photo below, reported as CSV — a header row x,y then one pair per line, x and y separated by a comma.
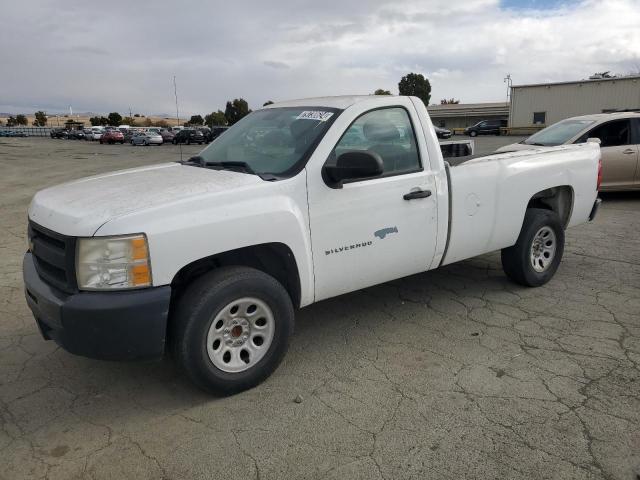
x,y
197,160
243,167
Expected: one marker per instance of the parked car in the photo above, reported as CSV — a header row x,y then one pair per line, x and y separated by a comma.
x,y
129,134
221,249
76,135
189,136
215,133
485,127
95,133
167,135
59,133
146,138
619,135
442,132
112,136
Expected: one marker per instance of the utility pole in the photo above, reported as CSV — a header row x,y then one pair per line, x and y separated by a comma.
x,y
509,83
175,92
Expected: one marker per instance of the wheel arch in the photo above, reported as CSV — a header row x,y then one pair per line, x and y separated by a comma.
x,y
275,259
558,199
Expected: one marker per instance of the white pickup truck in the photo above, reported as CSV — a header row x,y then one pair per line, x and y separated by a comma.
x,y
298,202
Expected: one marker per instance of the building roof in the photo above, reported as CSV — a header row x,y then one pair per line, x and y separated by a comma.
x,y
594,80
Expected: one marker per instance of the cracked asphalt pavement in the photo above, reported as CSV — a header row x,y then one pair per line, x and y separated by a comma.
x,y
455,373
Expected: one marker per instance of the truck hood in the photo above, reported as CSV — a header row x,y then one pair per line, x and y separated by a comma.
x,y
81,207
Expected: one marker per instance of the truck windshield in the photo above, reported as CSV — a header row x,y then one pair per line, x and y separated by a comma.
x,y
558,133
273,141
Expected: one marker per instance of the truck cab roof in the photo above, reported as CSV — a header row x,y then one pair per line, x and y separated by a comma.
x,y
341,101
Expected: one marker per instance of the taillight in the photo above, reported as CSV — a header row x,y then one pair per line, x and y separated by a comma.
x,y
599,174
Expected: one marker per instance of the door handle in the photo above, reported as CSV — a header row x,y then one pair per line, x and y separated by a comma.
x,y
628,151
417,194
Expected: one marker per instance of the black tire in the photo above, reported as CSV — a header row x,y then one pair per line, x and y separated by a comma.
x,y
517,262
196,310
473,133
188,141
175,142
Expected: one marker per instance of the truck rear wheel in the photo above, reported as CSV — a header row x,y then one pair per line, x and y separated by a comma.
x,y
231,329
535,257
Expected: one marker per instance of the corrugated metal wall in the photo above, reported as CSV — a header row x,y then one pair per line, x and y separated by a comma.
x,y
561,101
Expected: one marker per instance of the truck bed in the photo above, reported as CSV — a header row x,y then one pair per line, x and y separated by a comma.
x,y
489,193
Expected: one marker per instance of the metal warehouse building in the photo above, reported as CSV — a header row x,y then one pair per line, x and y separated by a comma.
x,y
547,103
465,114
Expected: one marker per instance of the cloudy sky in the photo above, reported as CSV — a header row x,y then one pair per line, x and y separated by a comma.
x,y
116,55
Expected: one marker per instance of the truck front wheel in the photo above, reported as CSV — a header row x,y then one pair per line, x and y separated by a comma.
x,y
535,257
231,329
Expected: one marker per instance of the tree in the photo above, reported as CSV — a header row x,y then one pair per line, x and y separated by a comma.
x,y
99,121
136,115
129,121
147,122
162,124
11,121
236,110
380,91
22,120
450,101
414,84
215,118
115,119
41,119
268,102
196,120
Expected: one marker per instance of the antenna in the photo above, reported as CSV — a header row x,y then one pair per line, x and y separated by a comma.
x,y
175,92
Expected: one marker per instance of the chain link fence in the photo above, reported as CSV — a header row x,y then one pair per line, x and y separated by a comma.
x,y
31,131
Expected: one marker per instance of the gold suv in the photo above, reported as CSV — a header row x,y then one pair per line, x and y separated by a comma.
x,y
619,135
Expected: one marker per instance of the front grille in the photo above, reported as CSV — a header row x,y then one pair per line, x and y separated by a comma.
x,y
54,256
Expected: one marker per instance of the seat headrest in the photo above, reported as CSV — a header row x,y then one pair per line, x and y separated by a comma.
x,y
299,128
380,130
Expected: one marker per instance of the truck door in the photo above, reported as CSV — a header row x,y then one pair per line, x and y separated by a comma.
x,y
375,230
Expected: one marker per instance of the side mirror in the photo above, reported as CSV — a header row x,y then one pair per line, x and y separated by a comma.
x,y
353,165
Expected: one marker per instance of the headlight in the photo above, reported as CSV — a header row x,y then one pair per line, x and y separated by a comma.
x,y
104,263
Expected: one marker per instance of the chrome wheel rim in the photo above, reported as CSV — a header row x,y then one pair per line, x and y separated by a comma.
x,y
240,334
543,249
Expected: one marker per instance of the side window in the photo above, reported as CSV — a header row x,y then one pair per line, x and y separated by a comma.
x,y
387,132
539,118
612,134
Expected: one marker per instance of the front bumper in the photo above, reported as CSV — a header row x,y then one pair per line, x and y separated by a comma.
x,y
122,325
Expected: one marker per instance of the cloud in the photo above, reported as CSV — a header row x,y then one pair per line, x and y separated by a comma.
x,y
127,56
276,65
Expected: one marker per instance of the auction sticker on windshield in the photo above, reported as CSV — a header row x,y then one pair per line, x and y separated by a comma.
x,y
315,115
